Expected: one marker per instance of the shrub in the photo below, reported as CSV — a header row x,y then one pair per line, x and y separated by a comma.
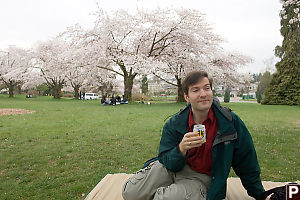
x,y
33,93
138,97
68,95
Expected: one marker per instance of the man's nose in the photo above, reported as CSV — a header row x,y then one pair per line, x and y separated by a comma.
x,y
202,93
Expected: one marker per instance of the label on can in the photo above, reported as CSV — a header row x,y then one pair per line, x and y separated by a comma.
x,y
200,129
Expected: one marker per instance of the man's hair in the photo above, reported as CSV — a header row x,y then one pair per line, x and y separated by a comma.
x,y
192,78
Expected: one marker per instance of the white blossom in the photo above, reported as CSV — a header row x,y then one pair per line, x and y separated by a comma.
x,y
14,63
282,12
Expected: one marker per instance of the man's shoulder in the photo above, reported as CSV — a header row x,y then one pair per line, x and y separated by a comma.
x,y
221,111
181,114
178,120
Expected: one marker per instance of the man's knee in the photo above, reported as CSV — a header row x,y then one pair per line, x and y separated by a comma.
x,y
185,189
144,183
129,192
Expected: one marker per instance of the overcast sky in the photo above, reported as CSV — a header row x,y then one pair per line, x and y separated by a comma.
x,y
250,27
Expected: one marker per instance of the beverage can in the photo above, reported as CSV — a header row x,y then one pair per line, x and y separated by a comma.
x,y
200,129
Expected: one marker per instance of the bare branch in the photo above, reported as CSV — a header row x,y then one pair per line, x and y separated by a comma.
x,y
109,69
165,80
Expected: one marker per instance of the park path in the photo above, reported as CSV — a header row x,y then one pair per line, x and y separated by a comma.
x,y
236,99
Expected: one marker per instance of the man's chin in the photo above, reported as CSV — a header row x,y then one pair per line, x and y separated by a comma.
x,y
203,107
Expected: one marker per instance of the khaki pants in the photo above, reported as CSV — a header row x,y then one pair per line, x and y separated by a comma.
x,y
157,183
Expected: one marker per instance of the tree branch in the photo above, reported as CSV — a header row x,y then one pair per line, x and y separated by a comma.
x,y
152,45
112,70
152,49
165,80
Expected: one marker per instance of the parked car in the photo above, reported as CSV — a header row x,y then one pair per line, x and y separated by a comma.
x,y
90,96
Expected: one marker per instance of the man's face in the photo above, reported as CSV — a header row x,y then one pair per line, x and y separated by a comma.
x,y
200,95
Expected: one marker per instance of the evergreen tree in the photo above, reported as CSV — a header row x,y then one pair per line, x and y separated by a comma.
x,y
227,95
43,89
263,84
256,77
144,85
285,84
258,96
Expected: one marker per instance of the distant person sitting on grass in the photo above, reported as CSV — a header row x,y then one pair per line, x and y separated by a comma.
x,y
124,100
118,99
195,164
112,100
104,101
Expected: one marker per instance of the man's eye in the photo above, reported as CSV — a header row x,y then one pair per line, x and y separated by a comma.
x,y
195,90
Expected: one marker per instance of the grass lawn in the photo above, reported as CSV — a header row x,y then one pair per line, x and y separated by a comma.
x,y
67,146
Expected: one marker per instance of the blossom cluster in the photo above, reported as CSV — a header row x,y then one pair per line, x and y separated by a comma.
x,y
290,2
294,16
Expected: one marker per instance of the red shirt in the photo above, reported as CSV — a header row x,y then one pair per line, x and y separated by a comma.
x,y
200,158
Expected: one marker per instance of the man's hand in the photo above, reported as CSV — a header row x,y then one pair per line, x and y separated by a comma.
x,y
189,141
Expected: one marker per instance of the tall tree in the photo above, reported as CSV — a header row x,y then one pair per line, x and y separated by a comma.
x,y
144,85
192,45
285,84
13,66
227,95
50,59
117,39
81,72
166,42
263,84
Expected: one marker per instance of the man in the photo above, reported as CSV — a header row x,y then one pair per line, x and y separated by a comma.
x,y
189,168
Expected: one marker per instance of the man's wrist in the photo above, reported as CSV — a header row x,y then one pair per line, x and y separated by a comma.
x,y
183,151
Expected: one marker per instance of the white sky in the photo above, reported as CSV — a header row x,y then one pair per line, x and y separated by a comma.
x,y
251,27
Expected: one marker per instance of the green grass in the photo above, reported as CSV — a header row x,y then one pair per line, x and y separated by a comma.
x,y
67,146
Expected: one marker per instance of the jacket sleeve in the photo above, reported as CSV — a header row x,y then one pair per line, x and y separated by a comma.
x,y
245,163
169,153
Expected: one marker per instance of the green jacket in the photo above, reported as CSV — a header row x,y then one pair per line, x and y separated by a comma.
x,y
232,146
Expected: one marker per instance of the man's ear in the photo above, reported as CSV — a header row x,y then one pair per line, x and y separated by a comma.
x,y
186,97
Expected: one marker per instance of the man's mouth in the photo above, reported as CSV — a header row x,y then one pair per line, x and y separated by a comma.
x,y
203,101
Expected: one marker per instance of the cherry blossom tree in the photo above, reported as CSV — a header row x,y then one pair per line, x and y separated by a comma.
x,y
223,68
81,73
193,46
122,36
13,66
113,45
50,59
135,43
166,42
83,61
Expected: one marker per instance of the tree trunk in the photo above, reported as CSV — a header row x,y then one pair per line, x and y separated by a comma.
x,y
128,84
19,89
180,96
76,91
11,90
10,85
128,79
56,91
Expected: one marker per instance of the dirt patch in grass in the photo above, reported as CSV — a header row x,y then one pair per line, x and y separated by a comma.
x,y
13,111
297,123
